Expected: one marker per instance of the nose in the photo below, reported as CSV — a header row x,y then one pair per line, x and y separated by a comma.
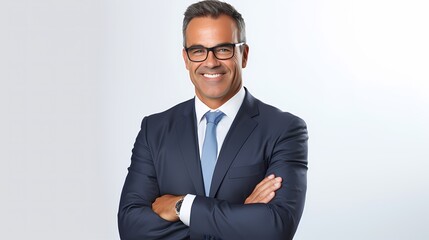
x,y
211,60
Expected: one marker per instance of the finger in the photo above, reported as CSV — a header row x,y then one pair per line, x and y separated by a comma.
x,y
272,184
268,198
265,180
264,192
268,188
263,183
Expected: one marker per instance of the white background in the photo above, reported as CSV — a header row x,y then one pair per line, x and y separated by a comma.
x,y
78,76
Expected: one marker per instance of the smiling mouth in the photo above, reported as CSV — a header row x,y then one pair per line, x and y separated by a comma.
x,y
207,75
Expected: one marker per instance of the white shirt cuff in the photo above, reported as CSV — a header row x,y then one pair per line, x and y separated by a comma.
x,y
185,209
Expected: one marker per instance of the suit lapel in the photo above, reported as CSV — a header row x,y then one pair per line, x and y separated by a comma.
x,y
187,141
240,130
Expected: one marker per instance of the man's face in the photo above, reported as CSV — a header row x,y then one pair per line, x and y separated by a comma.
x,y
215,81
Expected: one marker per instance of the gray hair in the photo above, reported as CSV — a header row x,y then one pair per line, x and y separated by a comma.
x,y
213,8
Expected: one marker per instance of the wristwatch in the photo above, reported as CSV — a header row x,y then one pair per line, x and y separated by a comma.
x,y
178,206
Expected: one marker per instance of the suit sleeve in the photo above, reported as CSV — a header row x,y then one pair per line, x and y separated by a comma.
x,y
216,219
136,219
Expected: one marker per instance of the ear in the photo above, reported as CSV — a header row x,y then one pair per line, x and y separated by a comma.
x,y
245,55
185,58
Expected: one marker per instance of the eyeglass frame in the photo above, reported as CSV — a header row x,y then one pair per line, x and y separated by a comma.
x,y
212,50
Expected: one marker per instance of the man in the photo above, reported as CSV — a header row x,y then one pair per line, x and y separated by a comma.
x,y
241,175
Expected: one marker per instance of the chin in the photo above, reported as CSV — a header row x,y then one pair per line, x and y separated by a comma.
x,y
216,94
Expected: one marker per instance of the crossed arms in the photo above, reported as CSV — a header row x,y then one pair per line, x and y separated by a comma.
x,y
263,193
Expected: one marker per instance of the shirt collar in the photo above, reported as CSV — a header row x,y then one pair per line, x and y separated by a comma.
x,y
230,108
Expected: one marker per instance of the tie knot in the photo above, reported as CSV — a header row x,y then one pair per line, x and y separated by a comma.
x,y
214,117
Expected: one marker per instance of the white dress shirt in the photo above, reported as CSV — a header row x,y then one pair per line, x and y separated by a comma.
x,y
230,109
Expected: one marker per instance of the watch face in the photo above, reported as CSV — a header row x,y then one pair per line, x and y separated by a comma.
x,y
178,206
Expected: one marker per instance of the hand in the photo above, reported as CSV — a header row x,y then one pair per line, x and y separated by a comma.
x,y
165,206
265,191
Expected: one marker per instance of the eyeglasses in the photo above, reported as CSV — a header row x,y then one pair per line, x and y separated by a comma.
x,y
221,52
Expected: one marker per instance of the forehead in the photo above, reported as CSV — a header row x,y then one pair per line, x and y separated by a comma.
x,y
209,31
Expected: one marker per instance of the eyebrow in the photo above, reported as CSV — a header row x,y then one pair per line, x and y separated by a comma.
x,y
218,45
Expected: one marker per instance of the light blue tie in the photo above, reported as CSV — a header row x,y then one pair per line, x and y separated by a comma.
x,y
209,155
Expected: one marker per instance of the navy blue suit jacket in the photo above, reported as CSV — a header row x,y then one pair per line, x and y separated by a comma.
x,y
262,140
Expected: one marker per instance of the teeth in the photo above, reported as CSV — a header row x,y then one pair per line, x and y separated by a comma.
x,y
212,75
